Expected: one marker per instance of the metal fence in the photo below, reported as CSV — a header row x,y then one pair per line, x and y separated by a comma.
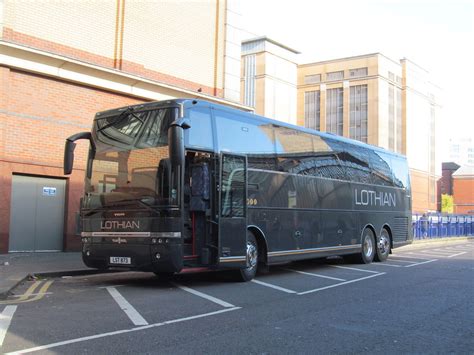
x,y
439,226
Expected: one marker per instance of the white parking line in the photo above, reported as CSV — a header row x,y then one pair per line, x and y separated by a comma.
x,y
114,286
118,332
339,284
423,262
131,312
443,254
315,275
273,286
433,251
426,254
446,250
452,256
459,249
438,251
387,264
5,320
411,257
354,269
205,296
402,261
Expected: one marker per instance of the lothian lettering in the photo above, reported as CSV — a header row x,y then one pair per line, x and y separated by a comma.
x,y
374,198
120,224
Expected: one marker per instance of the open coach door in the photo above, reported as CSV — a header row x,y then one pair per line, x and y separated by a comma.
x,y
233,211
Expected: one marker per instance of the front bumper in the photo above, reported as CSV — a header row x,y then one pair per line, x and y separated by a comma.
x,y
164,257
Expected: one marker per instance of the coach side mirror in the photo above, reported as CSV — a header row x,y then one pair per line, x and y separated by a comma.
x,y
69,150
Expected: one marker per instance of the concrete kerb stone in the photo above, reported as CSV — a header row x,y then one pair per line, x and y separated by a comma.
x,y
433,241
8,291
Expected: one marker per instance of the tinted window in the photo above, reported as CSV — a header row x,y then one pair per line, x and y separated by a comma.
x,y
320,145
233,187
381,168
289,141
355,162
325,165
262,162
200,133
401,176
235,134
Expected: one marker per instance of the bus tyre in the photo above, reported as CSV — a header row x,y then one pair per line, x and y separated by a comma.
x,y
250,271
383,246
368,247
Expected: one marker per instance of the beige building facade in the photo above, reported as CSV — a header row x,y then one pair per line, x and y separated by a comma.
x,y
268,83
379,101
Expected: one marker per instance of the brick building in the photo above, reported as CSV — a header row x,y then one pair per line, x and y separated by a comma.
x,y
445,184
463,190
61,62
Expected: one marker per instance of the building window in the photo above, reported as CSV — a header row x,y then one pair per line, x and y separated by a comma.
x,y
312,109
312,79
356,73
249,80
359,113
334,110
335,75
391,76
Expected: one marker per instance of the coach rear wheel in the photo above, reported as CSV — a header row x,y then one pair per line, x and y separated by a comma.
x,y
250,271
383,246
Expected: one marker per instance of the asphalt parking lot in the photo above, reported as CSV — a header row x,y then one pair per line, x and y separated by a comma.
x,y
420,300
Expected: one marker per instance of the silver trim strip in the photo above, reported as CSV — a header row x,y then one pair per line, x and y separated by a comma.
x,y
228,259
133,234
314,250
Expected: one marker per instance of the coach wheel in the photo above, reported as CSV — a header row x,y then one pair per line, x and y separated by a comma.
x,y
368,247
383,246
250,271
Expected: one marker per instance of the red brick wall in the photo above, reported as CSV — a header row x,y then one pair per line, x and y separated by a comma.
x,y
463,195
12,36
37,114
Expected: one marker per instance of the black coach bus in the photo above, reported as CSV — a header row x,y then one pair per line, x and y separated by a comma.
x,y
182,184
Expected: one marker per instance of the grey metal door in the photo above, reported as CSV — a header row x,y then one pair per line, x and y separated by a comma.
x,y
37,214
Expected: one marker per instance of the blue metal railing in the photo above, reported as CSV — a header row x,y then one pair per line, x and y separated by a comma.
x,y
428,226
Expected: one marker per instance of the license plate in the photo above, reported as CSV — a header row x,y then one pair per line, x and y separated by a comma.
x,y
121,260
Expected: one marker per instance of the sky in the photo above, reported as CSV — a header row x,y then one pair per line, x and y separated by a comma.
x,y
435,34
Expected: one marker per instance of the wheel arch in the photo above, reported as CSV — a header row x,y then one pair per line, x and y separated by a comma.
x,y
387,227
369,226
261,242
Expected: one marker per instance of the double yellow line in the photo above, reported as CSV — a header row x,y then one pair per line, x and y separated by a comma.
x,y
30,295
